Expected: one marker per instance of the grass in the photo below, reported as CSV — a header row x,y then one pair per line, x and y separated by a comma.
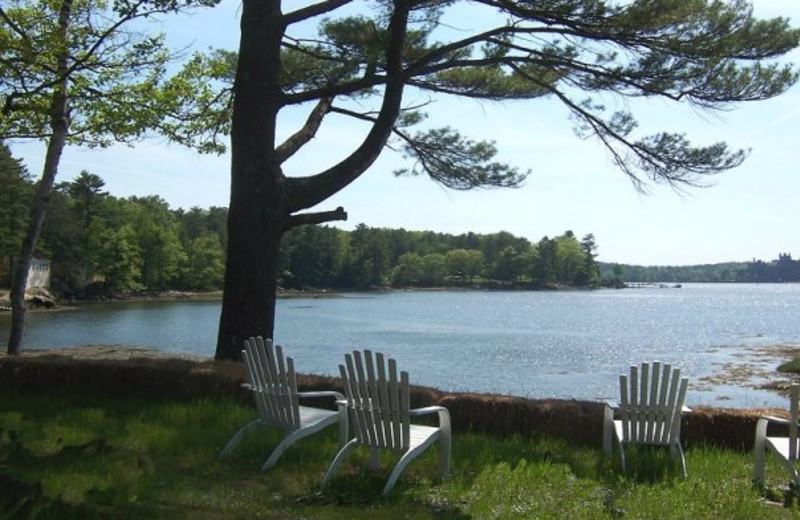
x,y
75,456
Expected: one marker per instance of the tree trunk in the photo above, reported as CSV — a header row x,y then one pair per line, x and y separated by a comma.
x,y
251,273
263,201
60,126
256,214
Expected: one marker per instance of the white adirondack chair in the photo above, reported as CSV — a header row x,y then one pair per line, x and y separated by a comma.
x,y
273,381
784,447
649,411
380,413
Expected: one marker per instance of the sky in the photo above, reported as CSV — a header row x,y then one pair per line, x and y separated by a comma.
x,y
749,212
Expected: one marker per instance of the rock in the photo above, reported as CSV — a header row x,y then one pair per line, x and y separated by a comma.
x,y
40,298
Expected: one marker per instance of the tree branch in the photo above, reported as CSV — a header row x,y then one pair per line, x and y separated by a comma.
x,y
305,134
313,10
305,192
13,26
304,219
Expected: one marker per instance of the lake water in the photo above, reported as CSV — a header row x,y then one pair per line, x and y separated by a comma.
x,y
570,344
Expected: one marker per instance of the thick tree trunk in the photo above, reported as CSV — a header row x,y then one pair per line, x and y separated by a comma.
x,y
59,114
251,271
256,214
263,201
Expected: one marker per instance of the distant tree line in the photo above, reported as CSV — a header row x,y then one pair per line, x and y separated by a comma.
x,y
784,269
99,244
314,256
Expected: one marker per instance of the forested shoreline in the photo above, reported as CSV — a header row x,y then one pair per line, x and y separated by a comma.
x,y
100,245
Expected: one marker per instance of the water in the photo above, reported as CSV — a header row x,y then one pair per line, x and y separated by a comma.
x,y
534,344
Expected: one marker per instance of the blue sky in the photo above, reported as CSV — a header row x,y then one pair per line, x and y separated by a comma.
x,y
750,212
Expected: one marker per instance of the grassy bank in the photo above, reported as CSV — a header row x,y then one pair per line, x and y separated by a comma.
x,y
77,455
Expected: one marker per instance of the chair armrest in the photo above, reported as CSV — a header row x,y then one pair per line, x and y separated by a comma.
x,y
770,418
247,386
610,403
322,393
444,415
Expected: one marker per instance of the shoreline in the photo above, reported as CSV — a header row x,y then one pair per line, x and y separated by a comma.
x,y
166,296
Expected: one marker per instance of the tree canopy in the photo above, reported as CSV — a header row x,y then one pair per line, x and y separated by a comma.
x,y
75,72
366,56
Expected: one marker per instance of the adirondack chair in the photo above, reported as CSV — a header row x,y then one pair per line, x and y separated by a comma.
x,y
378,403
649,411
784,447
273,381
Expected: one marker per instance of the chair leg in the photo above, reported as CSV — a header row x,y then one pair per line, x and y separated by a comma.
x,y
678,449
374,457
759,450
622,456
608,430
346,449
343,425
283,446
793,475
238,436
445,443
401,465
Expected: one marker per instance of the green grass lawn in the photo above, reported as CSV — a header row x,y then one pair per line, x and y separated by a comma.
x,y
71,456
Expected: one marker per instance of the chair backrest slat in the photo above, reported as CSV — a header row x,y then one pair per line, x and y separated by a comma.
x,y
677,392
651,401
274,383
642,408
383,400
377,400
634,404
405,404
794,395
371,384
660,430
654,414
625,407
267,377
361,404
264,391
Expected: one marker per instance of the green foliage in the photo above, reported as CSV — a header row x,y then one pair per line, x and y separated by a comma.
x,y
120,262
466,264
16,192
457,162
113,73
707,53
99,243
784,269
158,239
791,367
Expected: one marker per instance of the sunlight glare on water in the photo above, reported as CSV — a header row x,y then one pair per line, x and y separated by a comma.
x,y
568,344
